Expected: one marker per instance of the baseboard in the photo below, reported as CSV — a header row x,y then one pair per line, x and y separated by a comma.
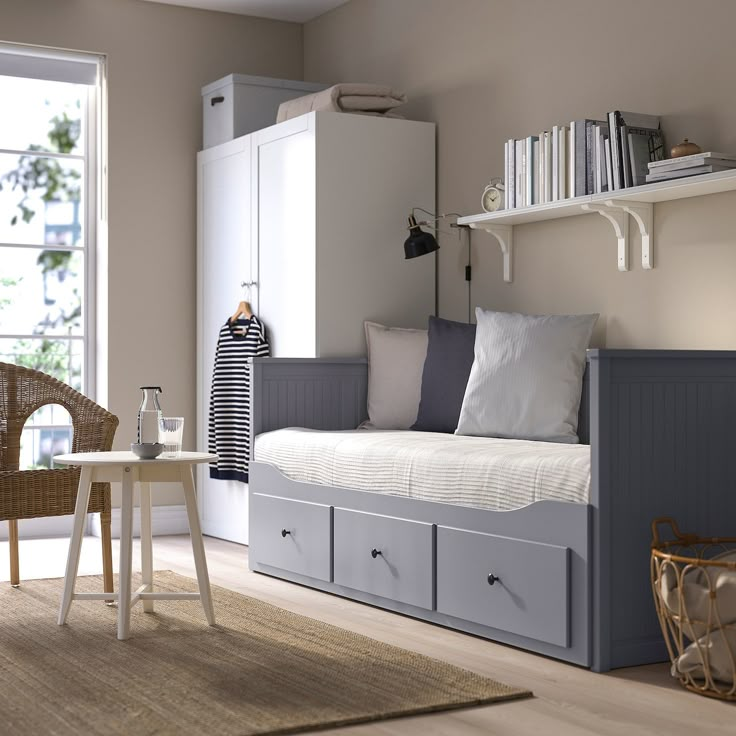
x,y
42,528
164,520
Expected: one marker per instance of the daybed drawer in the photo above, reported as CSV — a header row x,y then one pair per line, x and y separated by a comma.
x,y
385,556
291,535
530,595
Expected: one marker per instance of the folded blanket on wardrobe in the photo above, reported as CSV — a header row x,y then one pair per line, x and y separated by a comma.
x,y
356,97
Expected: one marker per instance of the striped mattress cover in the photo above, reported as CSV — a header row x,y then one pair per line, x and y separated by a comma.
x,y
482,472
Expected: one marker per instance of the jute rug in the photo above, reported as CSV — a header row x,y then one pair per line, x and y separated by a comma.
x,y
261,670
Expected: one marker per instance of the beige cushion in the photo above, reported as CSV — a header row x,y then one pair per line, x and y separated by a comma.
x,y
395,362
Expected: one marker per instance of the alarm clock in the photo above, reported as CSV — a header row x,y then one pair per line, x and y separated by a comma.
x,y
493,196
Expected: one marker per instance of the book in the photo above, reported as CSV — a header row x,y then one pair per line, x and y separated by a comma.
x,y
561,162
511,175
519,171
590,168
680,173
580,173
570,173
609,165
624,155
685,162
529,171
699,157
572,164
547,153
555,159
604,165
541,170
537,171
599,155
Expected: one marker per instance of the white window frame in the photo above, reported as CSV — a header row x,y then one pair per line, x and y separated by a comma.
x,y
55,65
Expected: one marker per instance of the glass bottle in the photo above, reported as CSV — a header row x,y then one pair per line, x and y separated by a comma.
x,y
149,415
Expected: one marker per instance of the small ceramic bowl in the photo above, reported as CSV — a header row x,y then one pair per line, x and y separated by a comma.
x,y
147,450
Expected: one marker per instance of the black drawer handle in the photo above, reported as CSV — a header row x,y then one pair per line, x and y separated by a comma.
x,y
216,100
284,532
493,579
375,552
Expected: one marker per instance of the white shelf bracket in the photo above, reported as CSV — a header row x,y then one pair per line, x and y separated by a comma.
x,y
642,213
504,234
617,218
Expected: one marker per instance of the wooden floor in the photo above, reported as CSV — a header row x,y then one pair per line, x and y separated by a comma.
x,y
568,700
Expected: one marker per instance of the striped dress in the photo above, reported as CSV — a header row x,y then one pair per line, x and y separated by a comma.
x,y
229,420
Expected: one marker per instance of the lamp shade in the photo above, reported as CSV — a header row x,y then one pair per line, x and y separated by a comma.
x,y
418,243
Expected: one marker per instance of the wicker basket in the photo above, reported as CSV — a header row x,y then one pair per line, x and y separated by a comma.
x,y
694,587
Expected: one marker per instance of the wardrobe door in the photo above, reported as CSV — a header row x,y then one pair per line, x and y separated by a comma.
x,y
224,262
284,228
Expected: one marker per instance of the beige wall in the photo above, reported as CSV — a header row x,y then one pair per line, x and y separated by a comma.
x,y
159,58
489,70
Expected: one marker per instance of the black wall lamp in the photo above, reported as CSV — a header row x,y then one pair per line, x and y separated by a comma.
x,y
420,243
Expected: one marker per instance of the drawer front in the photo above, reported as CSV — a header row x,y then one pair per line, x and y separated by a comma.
x,y
530,596
291,535
385,556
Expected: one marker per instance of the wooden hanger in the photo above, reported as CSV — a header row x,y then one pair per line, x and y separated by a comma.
x,y
244,310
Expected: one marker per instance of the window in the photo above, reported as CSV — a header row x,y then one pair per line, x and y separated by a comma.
x,y
49,214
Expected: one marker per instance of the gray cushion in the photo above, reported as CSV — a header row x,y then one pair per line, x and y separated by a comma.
x,y
395,360
445,374
527,376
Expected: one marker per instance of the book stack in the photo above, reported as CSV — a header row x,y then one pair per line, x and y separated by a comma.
x,y
537,168
697,163
588,157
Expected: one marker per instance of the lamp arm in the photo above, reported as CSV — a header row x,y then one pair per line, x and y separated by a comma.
x,y
434,215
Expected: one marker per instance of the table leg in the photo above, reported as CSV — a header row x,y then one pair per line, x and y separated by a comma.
x,y
126,550
75,543
200,561
146,544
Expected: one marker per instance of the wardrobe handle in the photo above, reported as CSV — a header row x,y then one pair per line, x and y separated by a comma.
x,y
216,100
284,532
493,579
375,552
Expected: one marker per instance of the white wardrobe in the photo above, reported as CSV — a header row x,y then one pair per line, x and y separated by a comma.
x,y
311,212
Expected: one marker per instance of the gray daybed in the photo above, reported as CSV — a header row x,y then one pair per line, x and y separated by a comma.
x,y
568,580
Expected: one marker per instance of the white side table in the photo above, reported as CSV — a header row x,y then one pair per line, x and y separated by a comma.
x,y
125,467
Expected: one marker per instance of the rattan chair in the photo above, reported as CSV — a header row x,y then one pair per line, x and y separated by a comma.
x,y
27,494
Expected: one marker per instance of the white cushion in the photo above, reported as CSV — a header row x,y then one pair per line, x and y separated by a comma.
x,y
527,375
395,362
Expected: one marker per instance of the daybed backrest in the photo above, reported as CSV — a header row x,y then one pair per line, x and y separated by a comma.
x,y
328,393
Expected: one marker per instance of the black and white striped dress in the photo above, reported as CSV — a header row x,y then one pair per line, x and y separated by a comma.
x,y
229,421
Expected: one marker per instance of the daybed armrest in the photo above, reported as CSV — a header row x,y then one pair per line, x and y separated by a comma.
x,y
316,393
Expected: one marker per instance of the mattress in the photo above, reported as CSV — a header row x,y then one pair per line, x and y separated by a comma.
x,y
482,472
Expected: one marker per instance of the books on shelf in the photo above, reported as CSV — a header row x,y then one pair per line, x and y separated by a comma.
x,y
709,158
591,156
636,140
707,162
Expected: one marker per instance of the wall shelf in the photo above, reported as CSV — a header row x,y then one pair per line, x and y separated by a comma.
x,y
616,207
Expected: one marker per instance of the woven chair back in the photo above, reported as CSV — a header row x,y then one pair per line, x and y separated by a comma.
x,y
30,493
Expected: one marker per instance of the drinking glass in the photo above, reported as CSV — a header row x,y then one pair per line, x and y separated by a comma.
x,y
171,431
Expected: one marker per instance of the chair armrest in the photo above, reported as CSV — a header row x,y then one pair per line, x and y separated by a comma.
x,y
94,431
